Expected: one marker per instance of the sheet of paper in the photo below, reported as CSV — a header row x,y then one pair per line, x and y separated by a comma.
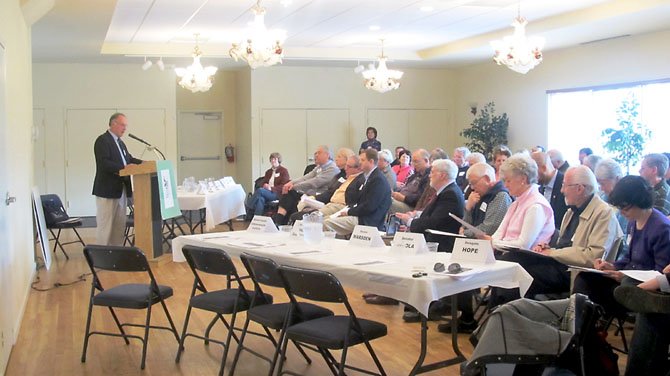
x,y
641,275
583,269
470,227
445,233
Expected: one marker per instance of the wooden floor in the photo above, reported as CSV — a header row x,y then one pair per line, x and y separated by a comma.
x,y
51,336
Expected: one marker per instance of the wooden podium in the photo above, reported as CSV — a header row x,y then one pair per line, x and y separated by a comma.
x,y
148,222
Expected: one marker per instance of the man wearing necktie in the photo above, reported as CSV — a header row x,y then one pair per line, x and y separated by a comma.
x,y
111,189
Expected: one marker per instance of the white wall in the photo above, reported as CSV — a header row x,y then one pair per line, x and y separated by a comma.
x,y
17,154
524,98
281,87
58,87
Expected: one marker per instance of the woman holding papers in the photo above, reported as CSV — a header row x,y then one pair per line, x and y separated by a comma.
x,y
648,353
648,240
529,220
271,185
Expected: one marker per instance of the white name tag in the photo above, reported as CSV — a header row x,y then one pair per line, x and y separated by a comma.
x,y
366,236
297,230
262,224
472,250
483,207
276,175
461,173
341,180
409,243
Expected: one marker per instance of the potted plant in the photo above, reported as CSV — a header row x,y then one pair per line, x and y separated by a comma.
x,y
626,141
487,130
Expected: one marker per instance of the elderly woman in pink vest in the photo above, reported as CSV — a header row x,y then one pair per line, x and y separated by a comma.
x,y
529,220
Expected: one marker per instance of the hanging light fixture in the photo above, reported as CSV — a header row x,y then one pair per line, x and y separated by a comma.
x,y
195,77
518,52
261,47
382,79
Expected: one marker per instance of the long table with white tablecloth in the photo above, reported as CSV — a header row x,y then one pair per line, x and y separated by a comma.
x,y
220,206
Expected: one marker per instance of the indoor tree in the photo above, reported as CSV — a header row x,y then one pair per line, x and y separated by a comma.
x,y
626,141
487,130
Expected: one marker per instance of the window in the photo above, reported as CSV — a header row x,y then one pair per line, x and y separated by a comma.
x,y
577,117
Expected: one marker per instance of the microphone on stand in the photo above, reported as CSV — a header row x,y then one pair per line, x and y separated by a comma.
x,y
149,146
138,139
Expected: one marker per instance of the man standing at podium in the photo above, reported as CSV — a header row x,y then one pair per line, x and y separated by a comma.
x,y
111,189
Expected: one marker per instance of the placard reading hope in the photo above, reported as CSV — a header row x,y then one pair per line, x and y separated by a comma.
x,y
472,250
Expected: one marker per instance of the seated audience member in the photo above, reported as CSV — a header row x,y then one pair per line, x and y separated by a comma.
x,y
500,155
608,172
488,202
649,244
340,197
591,161
589,231
648,350
271,186
551,184
485,210
404,169
407,197
583,153
315,181
557,160
371,140
529,220
438,153
396,161
385,159
667,172
476,157
448,199
374,199
460,157
653,170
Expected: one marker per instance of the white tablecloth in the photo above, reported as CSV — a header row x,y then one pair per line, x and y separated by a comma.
x,y
373,270
220,206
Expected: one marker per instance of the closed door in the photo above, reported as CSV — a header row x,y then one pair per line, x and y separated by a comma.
x,y
39,150
200,145
284,131
392,127
327,127
6,284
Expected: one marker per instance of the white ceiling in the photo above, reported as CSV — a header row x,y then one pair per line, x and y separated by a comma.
x,y
334,32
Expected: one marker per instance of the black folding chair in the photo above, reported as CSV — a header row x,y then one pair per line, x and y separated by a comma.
x,y
229,301
129,237
130,295
264,272
57,218
330,332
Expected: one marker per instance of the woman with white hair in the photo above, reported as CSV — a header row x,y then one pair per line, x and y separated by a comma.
x,y
608,172
530,219
384,165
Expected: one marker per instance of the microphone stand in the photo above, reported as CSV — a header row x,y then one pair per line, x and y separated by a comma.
x,y
155,150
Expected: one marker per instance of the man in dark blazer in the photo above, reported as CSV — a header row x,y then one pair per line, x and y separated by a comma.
x,y
435,216
110,189
373,201
551,182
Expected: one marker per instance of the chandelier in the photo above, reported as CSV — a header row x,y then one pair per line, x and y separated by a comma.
x,y
195,77
261,47
518,52
382,79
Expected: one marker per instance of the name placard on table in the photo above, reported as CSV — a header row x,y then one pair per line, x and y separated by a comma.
x,y
472,250
408,243
227,182
297,230
262,224
366,236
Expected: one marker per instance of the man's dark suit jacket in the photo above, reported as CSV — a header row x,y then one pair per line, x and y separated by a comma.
x,y
557,201
373,201
564,167
436,217
108,163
